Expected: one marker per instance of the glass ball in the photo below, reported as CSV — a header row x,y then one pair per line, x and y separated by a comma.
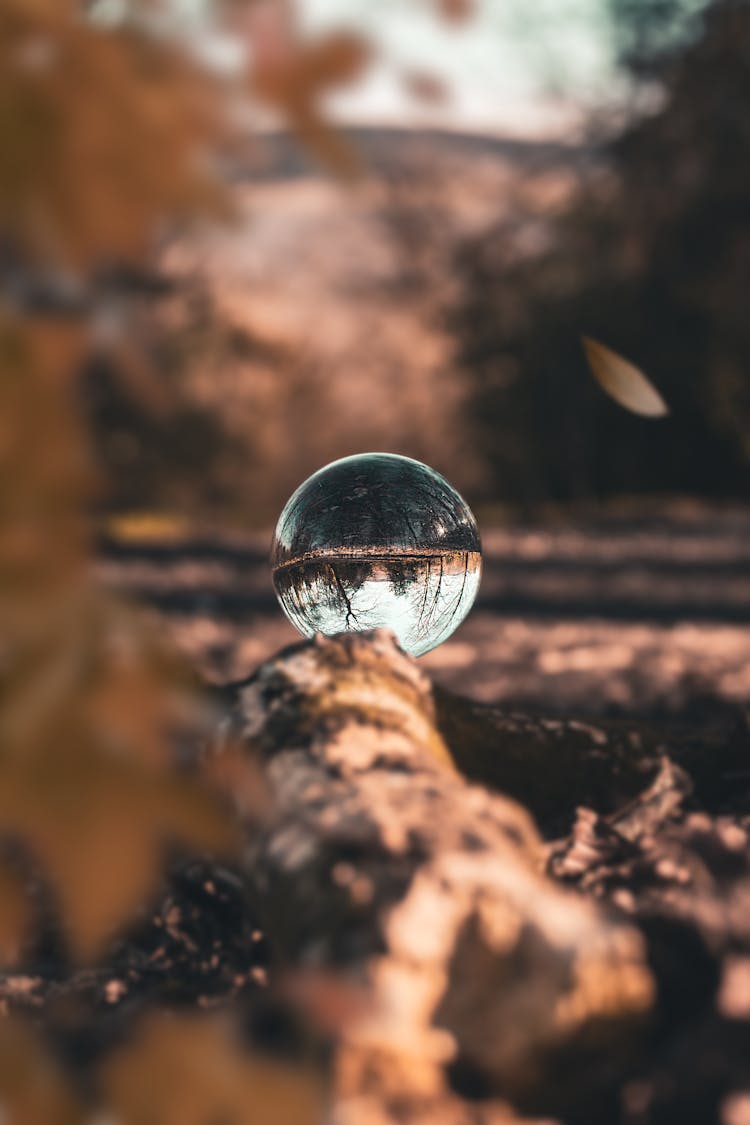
x,y
374,541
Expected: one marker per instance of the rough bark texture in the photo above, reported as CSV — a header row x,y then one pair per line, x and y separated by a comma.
x,y
554,765
465,966
382,866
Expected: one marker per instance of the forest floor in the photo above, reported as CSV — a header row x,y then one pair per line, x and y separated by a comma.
x,y
643,615
629,639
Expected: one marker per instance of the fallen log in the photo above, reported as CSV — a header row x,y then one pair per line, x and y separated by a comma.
x,y
380,867
555,764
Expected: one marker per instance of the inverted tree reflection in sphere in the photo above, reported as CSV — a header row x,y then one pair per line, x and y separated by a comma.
x,y
377,540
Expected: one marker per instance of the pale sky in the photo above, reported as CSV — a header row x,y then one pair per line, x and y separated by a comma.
x,y
516,65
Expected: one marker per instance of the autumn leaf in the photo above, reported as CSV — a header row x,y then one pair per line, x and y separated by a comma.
x,y
131,111
90,698
87,780
623,381
33,1091
192,1069
99,833
14,916
292,75
334,60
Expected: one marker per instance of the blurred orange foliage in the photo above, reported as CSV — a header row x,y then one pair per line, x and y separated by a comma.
x,y
293,75
87,698
104,132
105,136
34,1089
192,1069
111,136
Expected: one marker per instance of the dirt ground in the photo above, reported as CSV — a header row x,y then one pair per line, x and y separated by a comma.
x,y
645,620
646,616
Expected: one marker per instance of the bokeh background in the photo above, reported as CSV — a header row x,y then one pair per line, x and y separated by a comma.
x,y
240,239
526,174
432,205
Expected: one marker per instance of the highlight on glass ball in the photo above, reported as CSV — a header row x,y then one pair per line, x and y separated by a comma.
x,y
377,541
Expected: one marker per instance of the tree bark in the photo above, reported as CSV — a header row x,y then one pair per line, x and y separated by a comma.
x,y
381,871
554,765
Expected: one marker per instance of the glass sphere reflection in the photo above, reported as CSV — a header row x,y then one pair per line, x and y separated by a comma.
x,y
373,541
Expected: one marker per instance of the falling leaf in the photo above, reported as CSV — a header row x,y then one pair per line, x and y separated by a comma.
x,y
623,381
